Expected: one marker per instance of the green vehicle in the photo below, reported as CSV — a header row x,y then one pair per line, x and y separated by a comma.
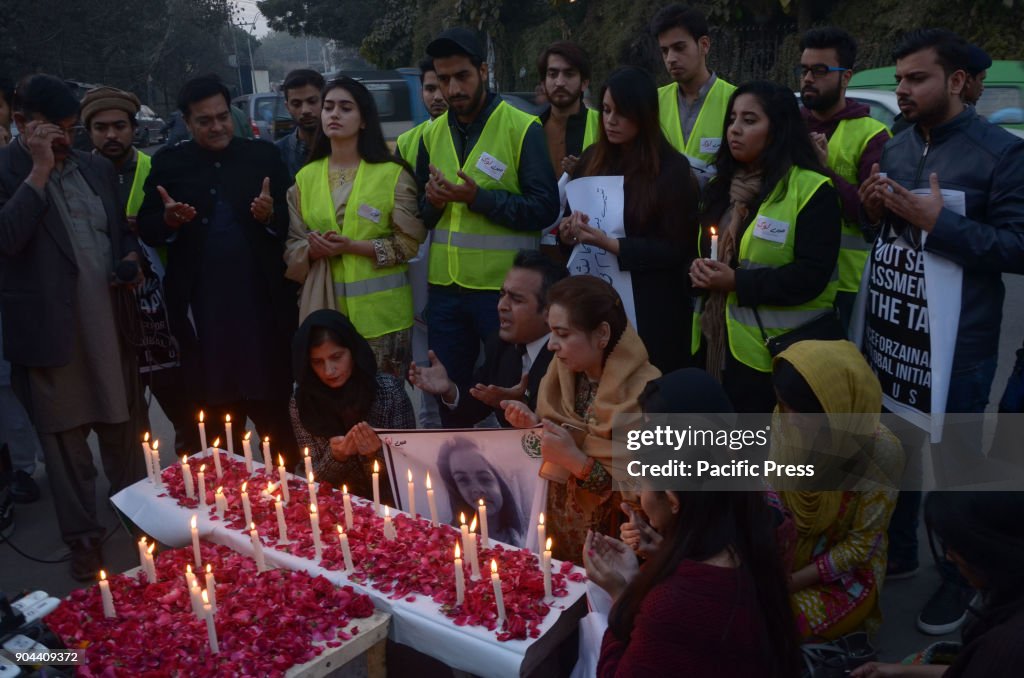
x,y
1001,103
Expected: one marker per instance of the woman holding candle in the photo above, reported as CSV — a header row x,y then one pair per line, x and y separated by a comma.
x,y
340,398
778,222
660,215
600,371
354,225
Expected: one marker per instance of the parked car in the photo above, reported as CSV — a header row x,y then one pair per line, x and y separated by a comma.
x,y
881,102
150,128
267,114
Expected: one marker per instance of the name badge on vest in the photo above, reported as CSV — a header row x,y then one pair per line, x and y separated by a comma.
x,y
371,213
771,229
710,144
491,166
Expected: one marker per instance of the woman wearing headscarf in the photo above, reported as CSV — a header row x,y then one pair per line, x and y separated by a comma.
x,y
340,399
839,565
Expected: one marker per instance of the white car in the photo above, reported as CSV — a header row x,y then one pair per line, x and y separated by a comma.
x,y
882,103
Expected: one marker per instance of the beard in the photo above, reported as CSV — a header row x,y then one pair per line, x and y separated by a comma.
x,y
819,100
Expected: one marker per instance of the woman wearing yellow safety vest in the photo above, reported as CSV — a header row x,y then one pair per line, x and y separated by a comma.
x,y
355,224
773,267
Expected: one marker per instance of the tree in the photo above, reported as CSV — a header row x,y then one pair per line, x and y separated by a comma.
x,y
347,21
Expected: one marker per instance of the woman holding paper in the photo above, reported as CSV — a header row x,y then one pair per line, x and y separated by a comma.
x,y
355,224
659,213
600,369
778,223
339,399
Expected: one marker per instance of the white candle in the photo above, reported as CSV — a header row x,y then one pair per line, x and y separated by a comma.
x,y
314,525
202,431
186,475
247,451
412,494
545,566
460,578
202,486
142,553
346,552
307,460
190,579
196,593
312,488
216,458
389,533
231,443
211,586
148,456
376,488
193,591
246,506
714,244
348,506
196,553
211,630
150,565
267,464
472,553
541,533
221,502
499,601
155,452
283,475
282,528
257,548
105,595
485,542
430,502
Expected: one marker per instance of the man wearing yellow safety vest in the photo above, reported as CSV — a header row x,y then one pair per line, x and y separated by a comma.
x,y
109,118
564,72
488,191
847,139
692,107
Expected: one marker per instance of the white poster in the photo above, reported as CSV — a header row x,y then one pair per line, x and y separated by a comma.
x,y
499,466
603,201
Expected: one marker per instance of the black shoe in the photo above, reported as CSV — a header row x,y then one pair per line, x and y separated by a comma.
x,y
23,489
946,610
86,560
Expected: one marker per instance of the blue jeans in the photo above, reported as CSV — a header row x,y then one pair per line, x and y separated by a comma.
x,y
458,320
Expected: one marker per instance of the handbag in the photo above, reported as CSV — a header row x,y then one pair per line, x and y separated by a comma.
x,y
837,658
825,327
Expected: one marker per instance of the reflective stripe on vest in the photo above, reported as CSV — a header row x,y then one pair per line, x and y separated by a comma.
x,y
778,214
706,136
845,147
467,248
135,196
590,134
378,301
408,143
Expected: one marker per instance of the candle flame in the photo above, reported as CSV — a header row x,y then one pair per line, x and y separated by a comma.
x,y
155,445
266,441
209,568
202,468
206,597
305,451
145,437
376,468
547,546
201,416
188,569
103,575
142,540
387,511
472,525
220,490
195,517
227,418
248,434
245,485
150,549
429,486
458,553
540,519
270,489
184,459
216,443
494,566
462,518
312,509
409,472
714,231
481,503
280,460
277,500
344,489
252,526
340,531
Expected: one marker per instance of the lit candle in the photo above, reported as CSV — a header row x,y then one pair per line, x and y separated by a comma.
x,y
412,494
283,475
460,577
714,244
541,533
247,451
246,506
376,488
311,487
202,431
105,595
257,548
211,630
545,566
150,565
186,475
221,502
202,485
196,593
282,529
498,600
267,464
216,458
346,552
472,553
190,579
142,553
211,586
388,531
430,502
484,541
314,525
148,455
348,506
196,553
231,445
155,452
308,460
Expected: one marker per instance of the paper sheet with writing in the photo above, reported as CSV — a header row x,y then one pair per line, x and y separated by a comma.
x,y
602,199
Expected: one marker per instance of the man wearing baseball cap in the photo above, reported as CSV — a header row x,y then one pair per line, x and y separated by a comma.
x,y
489,189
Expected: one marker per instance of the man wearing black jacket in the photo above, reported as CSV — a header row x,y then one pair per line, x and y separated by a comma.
x,y
516,357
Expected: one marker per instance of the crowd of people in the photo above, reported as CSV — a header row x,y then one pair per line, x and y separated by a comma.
x,y
312,287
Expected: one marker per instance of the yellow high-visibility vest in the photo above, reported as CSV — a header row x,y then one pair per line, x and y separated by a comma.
x,y
706,136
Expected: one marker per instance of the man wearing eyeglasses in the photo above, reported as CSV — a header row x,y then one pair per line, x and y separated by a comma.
x,y
64,248
847,139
